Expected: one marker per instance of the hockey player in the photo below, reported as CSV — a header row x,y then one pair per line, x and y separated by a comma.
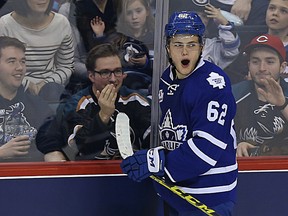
x,y
198,144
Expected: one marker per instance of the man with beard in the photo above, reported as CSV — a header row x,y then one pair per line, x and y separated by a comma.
x,y
262,113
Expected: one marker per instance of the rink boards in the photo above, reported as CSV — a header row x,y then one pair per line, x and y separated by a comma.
x,y
99,188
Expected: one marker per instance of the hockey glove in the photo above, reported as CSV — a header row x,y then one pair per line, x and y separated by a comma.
x,y
144,163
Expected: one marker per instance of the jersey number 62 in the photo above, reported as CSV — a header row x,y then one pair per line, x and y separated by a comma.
x,y
215,112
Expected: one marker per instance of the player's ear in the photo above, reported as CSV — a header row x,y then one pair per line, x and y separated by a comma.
x,y
167,49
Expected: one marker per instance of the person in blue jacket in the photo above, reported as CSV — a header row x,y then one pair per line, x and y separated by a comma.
x,y
197,150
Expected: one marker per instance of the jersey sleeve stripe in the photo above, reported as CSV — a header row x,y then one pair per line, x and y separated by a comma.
x,y
169,175
200,154
210,138
221,170
233,134
209,190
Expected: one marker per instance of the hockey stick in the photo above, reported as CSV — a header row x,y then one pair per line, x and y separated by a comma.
x,y
125,148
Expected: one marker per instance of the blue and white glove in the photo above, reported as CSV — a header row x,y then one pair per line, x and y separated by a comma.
x,y
144,163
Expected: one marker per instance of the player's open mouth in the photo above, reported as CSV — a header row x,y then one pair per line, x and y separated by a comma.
x,y
185,62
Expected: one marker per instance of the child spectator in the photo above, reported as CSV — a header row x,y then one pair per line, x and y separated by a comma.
x,y
137,21
252,12
276,20
223,49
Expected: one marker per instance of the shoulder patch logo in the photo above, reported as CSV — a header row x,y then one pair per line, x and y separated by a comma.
x,y
216,80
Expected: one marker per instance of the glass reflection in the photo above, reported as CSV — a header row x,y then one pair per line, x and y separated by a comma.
x,y
56,69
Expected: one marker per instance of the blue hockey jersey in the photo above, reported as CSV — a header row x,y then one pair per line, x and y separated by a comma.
x,y
197,128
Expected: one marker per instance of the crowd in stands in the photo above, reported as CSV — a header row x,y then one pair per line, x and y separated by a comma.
x,y
67,83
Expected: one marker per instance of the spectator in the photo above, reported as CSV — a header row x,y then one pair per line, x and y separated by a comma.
x,y
223,49
87,10
137,21
262,112
276,20
79,78
49,43
89,116
134,54
21,114
252,12
68,10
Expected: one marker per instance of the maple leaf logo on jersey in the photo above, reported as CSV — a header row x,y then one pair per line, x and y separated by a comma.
x,y
171,136
216,80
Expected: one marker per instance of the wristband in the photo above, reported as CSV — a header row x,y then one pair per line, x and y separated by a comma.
x,y
283,106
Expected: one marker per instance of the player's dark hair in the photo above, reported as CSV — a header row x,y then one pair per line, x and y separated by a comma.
x,y
22,8
6,41
100,51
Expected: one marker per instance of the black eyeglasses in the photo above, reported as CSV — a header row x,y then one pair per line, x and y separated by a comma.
x,y
105,74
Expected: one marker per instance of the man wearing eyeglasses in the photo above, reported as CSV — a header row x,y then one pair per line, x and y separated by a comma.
x,y
89,116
